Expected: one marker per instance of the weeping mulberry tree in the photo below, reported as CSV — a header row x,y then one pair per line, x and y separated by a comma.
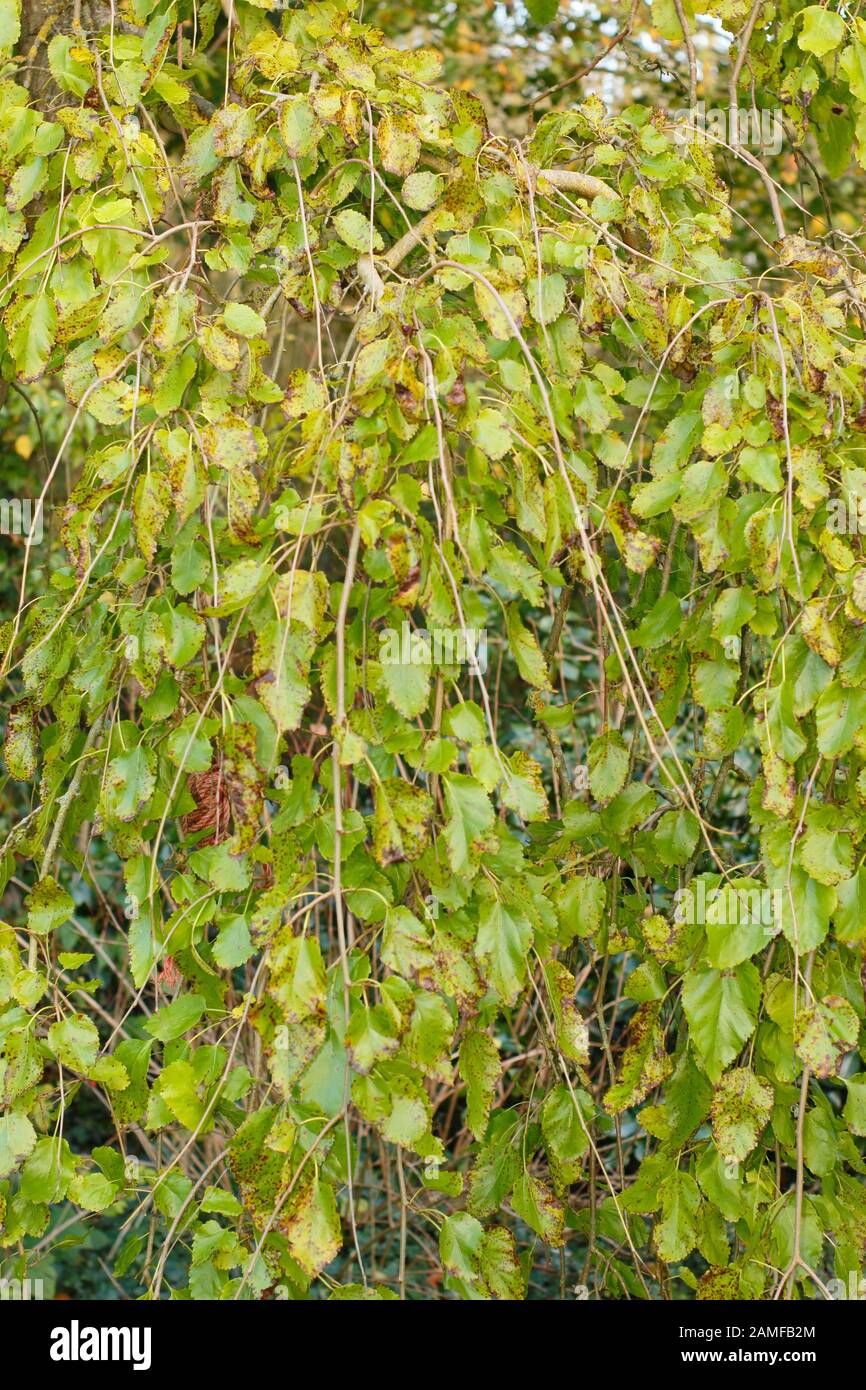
x,y
434,799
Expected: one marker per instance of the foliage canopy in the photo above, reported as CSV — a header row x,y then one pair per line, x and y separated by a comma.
x,y
386,972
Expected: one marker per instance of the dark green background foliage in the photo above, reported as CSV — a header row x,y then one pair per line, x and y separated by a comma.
x,y
328,975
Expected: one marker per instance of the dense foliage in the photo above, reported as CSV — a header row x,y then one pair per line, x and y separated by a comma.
x,y
343,952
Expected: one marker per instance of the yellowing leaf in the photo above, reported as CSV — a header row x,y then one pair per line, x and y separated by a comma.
x,y
399,145
479,1067
35,323
10,25
741,1107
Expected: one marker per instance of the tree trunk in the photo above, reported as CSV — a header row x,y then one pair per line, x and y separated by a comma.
x,y
39,24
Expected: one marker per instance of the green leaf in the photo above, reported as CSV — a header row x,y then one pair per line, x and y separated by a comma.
x,y
526,651
297,975
35,323
370,1036
21,744
10,25
546,297
504,937
48,906
313,1227
422,189
731,611
478,1065
839,714
73,960
581,907
460,1241
633,805
687,1096
761,466
305,395
244,321
607,761
820,1141
499,1266
110,1073
719,1184
721,1008
142,950
782,1233
741,1107
93,1191
660,624
233,946
470,818
428,1040
645,1062
702,484
523,788
804,906
282,664
239,583
70,72
854,1112
407,686
184,635
571,1031
176,1018
401,821
822,31
824,1032
676,836
491,433
48,1171
535,1204
150,508
177,1086
715,684
74,1042
299,126
738,922
676,1232
853,65
723,731
849,916
565,1121
395,1102
17,1140
646,983
129,783
827,856
406,943
356,231
130,1103
543,11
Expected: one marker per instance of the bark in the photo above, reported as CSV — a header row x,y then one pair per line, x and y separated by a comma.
x,y
40,21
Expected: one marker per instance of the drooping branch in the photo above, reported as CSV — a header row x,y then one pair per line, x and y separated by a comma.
x,y
571,180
